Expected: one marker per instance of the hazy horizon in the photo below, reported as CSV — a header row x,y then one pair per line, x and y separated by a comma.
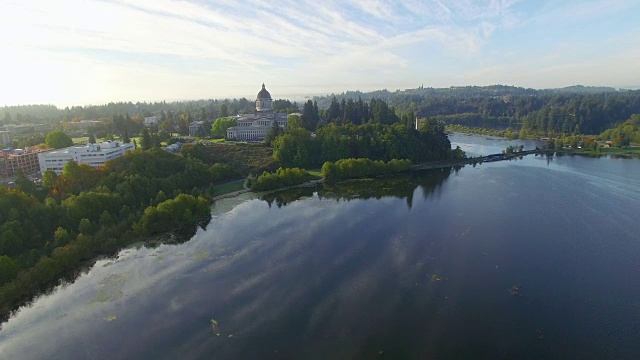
x,y
95,52
299,98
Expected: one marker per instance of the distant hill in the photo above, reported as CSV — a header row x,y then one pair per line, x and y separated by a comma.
x,y
573,109
578,108
584,89
459,92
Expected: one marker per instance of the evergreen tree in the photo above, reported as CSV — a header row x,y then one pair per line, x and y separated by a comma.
x,y
183,124
334,110
125,137
146,140
92,138
273,132
308,117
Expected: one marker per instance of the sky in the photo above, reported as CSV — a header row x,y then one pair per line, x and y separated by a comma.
x,y
80,52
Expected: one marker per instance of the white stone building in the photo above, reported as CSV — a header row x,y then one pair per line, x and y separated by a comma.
x,y
152,120
254,127
194,126
95,155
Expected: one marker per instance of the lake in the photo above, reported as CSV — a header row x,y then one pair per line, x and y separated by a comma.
x,y
532,258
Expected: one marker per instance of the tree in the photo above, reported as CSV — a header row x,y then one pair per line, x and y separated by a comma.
x,y
58,139
220,126
293,122
85,226
167,126
125,137
309,116
24,184
273,132
8,269
106,219
146,140
49,178
183,124
334,110
92,138
61,236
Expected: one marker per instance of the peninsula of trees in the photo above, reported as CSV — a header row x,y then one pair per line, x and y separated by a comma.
x,y
47,231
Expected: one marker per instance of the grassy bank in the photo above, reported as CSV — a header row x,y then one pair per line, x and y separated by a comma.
x,y
624,152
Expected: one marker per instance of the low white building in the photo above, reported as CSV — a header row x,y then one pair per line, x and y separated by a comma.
x,y
152,120
254,127
95,155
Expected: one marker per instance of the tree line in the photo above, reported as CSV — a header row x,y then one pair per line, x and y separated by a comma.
x,y
279,179
298,148
363,168
197,109
585,110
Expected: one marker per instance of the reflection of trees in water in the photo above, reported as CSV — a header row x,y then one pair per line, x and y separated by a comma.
x,y
28,288
401,186
180,235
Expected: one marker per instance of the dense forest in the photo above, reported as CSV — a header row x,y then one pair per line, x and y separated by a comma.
x,y
48,230
575,109
197,110
377,141
571,110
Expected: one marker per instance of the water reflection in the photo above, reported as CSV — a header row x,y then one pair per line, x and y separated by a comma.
x,y
506,260
401,187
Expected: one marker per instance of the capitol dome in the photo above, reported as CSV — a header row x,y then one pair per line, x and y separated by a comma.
x,y
264,104
264,94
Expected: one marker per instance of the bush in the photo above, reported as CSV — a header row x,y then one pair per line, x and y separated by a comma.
x,y
363,168
281,178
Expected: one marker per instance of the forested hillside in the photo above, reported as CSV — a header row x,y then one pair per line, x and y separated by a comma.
x,y
584,110
575,109
197,110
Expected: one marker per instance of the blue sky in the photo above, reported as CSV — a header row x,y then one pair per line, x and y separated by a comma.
x,y
77,52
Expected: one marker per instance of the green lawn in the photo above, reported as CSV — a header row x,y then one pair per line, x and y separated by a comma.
x,y
624,150
228,187
79,140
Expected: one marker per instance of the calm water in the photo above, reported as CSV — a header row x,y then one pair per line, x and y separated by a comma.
x,y
535,258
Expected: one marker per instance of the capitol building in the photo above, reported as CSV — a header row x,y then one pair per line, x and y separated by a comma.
x,y
254,127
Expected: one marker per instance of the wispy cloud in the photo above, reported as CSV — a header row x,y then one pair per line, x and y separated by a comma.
x,y
219,48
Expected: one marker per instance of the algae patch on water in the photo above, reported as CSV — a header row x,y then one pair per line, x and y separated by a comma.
x,y
111,287
215,327
201,255
516,290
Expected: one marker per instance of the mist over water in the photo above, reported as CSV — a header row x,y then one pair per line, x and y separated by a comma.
x,y
534,258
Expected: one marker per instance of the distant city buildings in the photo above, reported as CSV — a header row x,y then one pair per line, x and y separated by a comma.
x,y
95,155
15,160
254,127
7,130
